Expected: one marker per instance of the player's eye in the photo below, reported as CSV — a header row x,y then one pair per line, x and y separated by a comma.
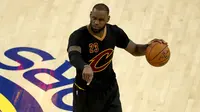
x,y
94,18
100,19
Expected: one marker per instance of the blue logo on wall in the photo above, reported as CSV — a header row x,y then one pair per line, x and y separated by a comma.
x,y
9,87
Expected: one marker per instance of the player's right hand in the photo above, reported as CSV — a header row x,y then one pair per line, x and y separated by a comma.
x,y
87,74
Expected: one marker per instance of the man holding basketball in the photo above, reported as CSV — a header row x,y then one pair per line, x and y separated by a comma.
x,y
90,51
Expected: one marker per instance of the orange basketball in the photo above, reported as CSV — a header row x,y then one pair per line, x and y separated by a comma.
x,y
157,54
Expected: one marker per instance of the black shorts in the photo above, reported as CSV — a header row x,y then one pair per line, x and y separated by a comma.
x,y
96,101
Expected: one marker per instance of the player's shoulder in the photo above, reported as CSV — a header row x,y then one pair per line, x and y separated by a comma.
x,y
80,30
113,27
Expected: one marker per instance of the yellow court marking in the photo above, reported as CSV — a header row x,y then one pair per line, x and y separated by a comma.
x,y
5,105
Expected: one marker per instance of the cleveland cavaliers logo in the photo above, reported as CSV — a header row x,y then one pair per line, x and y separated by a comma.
x,y
94,61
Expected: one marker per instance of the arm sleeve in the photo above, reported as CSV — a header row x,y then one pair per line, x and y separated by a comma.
x,y
74,55
122,39
74,40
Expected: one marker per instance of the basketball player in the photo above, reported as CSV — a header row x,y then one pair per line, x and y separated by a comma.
x,y
90,51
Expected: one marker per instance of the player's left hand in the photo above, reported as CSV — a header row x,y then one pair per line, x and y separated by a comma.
x,y
158,40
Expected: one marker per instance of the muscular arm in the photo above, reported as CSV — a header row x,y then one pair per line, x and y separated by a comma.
x,y
74,51
124,42
136,49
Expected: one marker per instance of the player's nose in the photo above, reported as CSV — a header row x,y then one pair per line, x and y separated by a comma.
x,y
96,22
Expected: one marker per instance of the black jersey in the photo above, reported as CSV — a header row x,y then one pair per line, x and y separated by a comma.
x,y
98,53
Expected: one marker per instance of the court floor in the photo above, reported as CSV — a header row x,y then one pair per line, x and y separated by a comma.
x,y
35,75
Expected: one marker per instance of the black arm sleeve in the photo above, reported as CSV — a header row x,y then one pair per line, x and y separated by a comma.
x,y
76,60
122,39
74,55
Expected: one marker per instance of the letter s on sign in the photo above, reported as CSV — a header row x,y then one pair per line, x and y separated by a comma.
x,y
24,62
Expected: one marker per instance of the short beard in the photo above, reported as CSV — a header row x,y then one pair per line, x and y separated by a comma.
x,y
96,31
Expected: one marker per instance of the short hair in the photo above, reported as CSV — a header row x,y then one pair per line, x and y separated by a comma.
x,y
101,6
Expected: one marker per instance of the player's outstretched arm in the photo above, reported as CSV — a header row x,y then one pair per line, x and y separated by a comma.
x,y
74,53
123,41
140,49
136,49
76,60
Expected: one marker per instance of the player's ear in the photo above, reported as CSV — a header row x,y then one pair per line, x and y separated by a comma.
x,y
108,18
90,13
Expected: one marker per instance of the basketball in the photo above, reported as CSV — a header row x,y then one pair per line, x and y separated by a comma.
x,y
157,54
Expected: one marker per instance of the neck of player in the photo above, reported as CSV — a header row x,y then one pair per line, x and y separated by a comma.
x,y
99,34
